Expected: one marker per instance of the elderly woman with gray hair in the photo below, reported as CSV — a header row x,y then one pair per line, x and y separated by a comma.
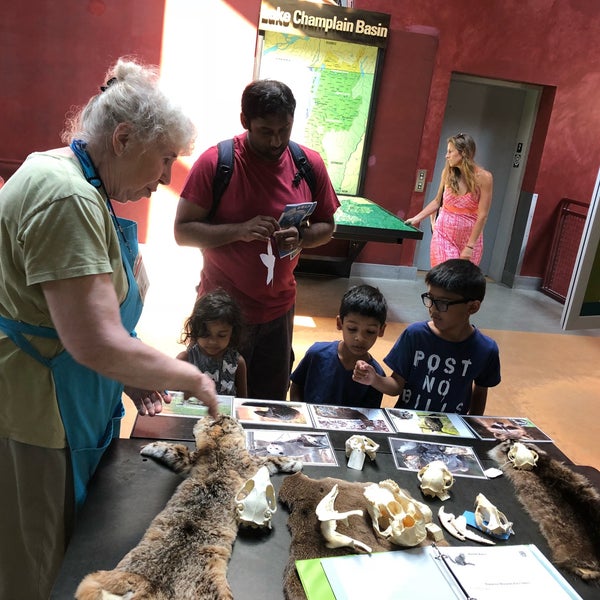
x,y
70,297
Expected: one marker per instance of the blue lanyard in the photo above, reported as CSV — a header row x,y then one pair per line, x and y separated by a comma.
x,y
91,176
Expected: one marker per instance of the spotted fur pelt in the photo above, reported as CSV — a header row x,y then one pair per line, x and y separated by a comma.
x,y
185,551
566,507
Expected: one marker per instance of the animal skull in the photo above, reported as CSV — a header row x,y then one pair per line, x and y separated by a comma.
x,y
489,519
256,501
329,517
396,515
435,480
356,448
522,457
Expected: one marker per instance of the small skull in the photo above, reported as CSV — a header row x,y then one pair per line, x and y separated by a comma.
x,y
522,457
256,501
489,519
362,443
356,448
435,480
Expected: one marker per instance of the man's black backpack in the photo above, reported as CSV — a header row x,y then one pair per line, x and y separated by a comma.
x,y
225,170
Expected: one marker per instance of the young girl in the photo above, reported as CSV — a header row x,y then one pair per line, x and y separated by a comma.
x,y
212,333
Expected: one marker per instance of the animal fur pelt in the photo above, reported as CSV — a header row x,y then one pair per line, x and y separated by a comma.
x,y
301,494
185,551
566,507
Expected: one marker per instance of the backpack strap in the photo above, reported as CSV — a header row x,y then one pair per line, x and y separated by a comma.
x,y
305,170
222,175
225,161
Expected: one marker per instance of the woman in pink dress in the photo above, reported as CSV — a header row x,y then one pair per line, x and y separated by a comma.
x,y
463,201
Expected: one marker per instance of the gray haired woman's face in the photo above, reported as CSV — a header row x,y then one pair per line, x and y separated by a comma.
x,y
137,170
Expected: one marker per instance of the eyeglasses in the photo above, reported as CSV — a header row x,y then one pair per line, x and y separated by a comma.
x,y
441,305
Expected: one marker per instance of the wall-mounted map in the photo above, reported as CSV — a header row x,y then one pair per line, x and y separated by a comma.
x,y
331,58
333,83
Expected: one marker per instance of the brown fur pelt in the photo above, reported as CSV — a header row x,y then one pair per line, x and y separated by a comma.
x,y
564,504
185,551
301,494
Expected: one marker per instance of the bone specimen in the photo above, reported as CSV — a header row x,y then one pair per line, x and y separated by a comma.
x,y
490,519
396,515
356,448
329,517
435,479
457,527
522,457
256,501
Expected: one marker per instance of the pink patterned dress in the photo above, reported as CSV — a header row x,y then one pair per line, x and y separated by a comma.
x,y
453,228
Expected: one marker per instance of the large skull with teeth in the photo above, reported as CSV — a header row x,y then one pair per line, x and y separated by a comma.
x,y
396,515
435,479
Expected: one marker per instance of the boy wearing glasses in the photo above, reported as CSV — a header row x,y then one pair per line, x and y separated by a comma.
x,y
445,364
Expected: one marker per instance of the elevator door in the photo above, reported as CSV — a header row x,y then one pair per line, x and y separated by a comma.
x,y
500,118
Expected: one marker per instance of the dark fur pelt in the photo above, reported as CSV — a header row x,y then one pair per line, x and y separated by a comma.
x,y
566,507
185,551
301,494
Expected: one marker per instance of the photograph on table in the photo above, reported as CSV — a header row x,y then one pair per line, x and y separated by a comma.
x,y
505,428
312,447
273,412
192,407
344,418
413,455
428,423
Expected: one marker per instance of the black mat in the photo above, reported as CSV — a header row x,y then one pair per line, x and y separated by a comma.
x,y
127,491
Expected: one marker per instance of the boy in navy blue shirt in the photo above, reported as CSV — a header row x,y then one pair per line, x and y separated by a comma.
x,y
445,364
324,375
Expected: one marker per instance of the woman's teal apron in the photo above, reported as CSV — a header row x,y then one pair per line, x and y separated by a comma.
x,y
90,404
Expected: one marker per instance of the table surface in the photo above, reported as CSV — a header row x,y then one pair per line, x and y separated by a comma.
x,y
128,491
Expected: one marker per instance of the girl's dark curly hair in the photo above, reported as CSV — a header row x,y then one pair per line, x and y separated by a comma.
x,y
214,306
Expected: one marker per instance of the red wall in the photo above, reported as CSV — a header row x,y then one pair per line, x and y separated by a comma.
x,y
550,43
53,54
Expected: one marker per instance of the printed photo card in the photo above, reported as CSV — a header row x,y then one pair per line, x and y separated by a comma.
x,y
413,455
312,447
192,407
505,428
428,423
344,418
272,412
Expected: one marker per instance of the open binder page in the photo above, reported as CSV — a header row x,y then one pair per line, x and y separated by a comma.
x,y
518,572
405,573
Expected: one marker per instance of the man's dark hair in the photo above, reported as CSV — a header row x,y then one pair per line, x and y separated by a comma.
x,y
458,276
364,300
266,97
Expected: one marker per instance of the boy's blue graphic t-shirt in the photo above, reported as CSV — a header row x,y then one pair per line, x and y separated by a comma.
x,y
439,374
326,381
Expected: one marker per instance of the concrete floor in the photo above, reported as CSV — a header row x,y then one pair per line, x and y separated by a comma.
x,y
548,375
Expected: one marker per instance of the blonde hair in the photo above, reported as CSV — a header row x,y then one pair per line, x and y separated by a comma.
x,y
451,176
132,94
